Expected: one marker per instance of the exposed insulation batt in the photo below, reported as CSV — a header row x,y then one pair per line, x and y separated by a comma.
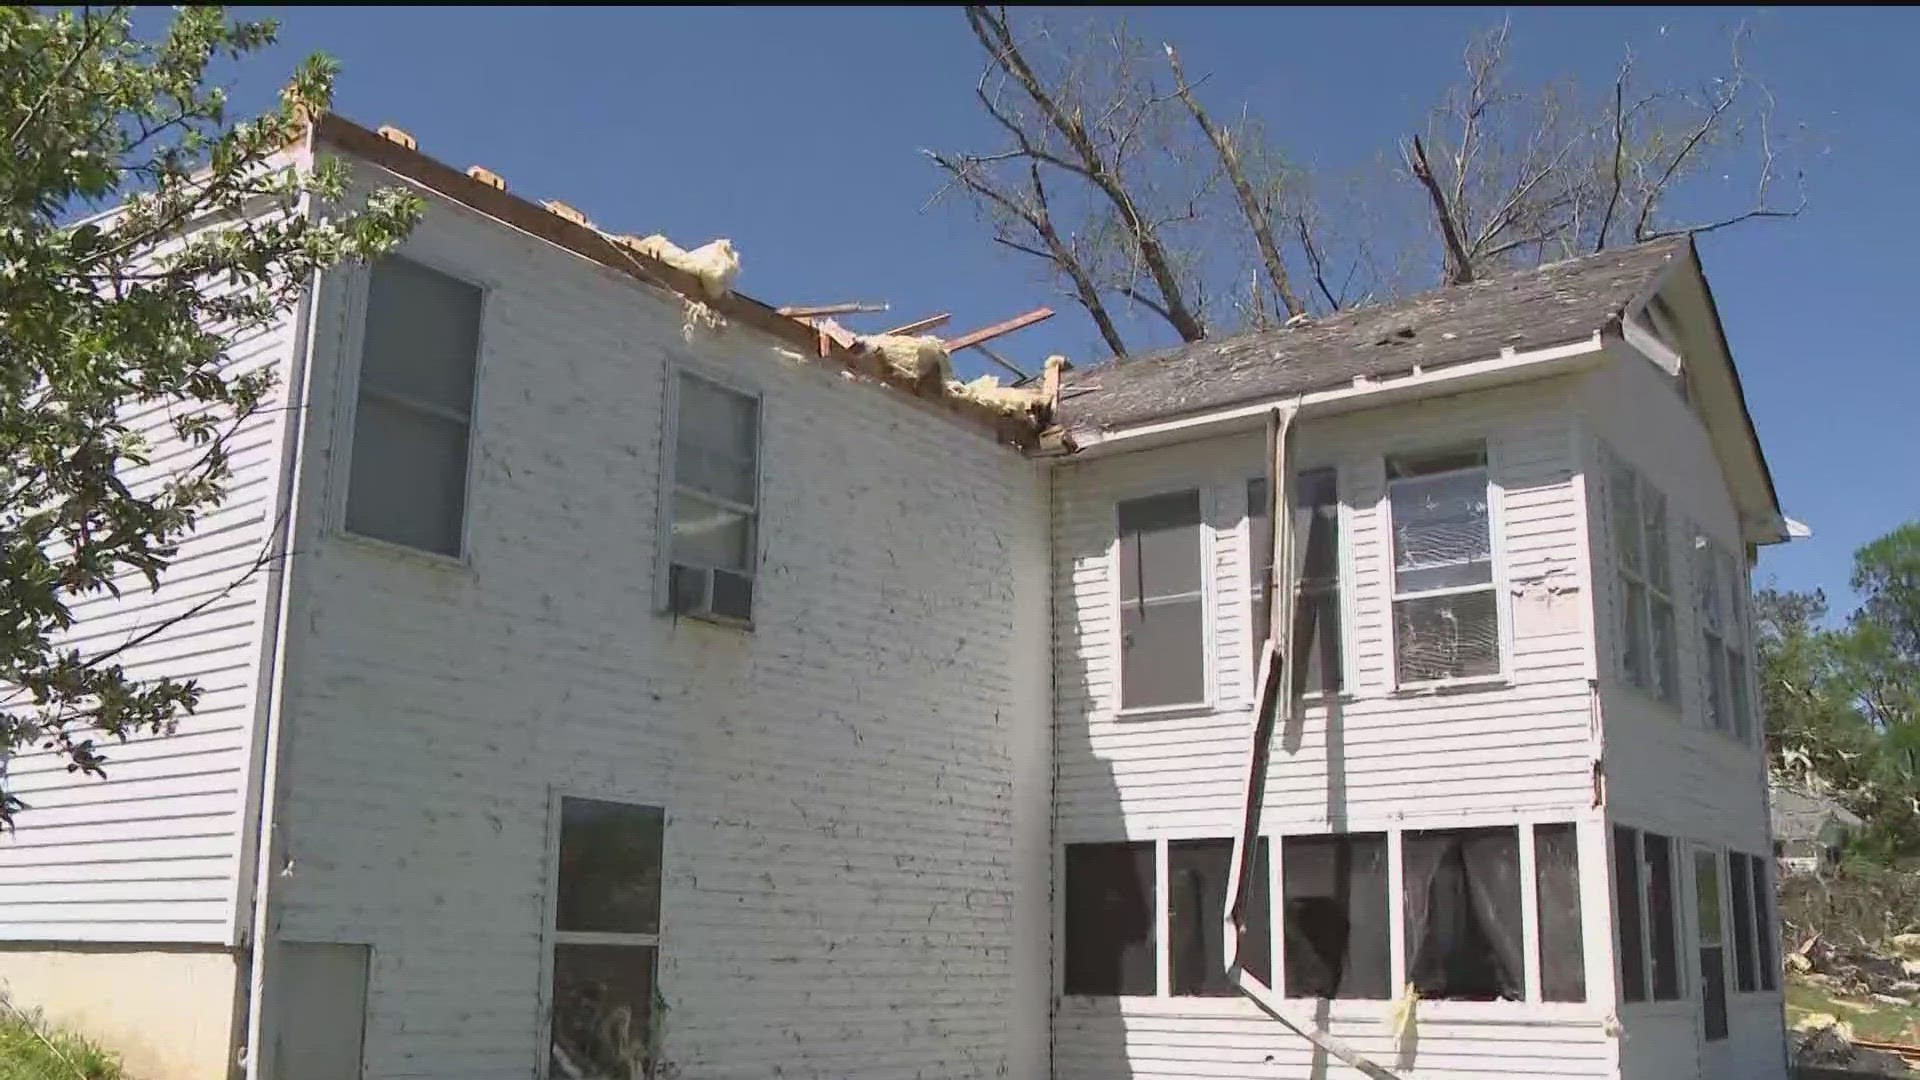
x,y
716,264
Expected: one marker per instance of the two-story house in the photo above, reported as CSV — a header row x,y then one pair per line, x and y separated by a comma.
x,y
640,694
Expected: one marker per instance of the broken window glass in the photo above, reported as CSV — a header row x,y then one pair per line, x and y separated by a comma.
x,y
1316,621
1556,872
1197,882
1649,641
1162,602
1463,924
1662,913
1627,910
602,1011
1111,909
1445,606
1335,921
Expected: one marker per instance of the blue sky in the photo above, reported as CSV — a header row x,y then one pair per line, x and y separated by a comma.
x,y
797,134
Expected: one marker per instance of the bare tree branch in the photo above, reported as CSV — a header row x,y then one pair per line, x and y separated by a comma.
x,y
1459,269
1619,151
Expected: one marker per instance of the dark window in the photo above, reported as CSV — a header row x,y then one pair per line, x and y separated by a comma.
x,y
1336,917
1662,909
1197,872
1316,619
407,481
1556,873
1445,608
606,937
1162,599
1626,902
1463,925
1740,884
1111,909
1763,922
1713,951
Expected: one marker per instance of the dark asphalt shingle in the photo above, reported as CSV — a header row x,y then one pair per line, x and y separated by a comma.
x,y
1530,309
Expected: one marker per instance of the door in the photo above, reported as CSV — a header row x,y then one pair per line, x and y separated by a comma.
x,y
1710,922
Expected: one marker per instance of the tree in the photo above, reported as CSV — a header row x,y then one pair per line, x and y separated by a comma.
x,y
1135,196
134,309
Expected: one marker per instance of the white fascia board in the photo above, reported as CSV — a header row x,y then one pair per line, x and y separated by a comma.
x,y
1362,393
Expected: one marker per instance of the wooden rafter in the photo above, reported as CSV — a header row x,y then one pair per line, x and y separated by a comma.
x,y
988,333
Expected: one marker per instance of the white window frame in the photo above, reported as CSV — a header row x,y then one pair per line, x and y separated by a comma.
x,y
1209,657
676,369
551,937
1697,932
1614,467
356,294
1343,584
1497,584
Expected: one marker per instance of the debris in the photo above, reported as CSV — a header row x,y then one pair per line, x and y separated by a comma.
x,y
1298,321
698,316
916,359
560,209
921,326
716,264
1822,1040
395,135
988,333
488,177
803,311
1012,400
1401,1018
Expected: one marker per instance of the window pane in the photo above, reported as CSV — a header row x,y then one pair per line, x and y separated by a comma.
x,y
708,535
1624,510
1316,636
1446,637
1636,657
1462,903
1666,649
1196,902
1317,610
1316,525
1765,930
1740,883
1556,870
602,1011
1160,546
609,867
1626,902
1110,914
1662,911
408,479
1653,520
1162,655
717,445
1336,916
1706,893
1440,532
422,334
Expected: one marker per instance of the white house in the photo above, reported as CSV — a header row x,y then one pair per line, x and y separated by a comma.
x,y
635,689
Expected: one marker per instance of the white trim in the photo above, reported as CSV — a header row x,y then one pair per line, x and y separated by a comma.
x,y
1530,908
1162,918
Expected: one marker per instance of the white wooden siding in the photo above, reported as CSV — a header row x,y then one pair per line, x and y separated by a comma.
x,y
152,852
849,788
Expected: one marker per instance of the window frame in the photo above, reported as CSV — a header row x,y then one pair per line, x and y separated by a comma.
x,y
1343,582
551,938
1613,467
1497,554
1719,611
678,367
1680,881
1209,591
356,296
1722,946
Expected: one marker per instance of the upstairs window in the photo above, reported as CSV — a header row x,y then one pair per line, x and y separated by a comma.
x,y
1316,539
413,408
1650,654
1446,619
715,498
606,937
1162,602
1718,586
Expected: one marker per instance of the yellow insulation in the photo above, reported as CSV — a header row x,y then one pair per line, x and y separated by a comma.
x,y
1012,400
716,264
910,357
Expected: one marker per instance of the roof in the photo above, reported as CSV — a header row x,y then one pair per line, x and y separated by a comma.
x,y
567,228
1550,305
1800,815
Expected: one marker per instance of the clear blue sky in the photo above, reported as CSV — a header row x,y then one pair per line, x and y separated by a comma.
x,y
797,134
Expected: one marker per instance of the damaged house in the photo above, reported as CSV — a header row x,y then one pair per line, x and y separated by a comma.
x,y
655,684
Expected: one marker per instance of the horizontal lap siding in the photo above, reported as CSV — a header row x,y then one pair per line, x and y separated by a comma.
x,y
153,851
839,890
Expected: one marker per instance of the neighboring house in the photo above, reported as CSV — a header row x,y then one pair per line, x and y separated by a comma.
x,y
622,667
1809,831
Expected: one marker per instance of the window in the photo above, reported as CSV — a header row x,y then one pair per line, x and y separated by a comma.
x,y
1162,602
1335,916
606,937
1111,910
1764,930
1462,900
1113,907
1650,657
1445,604
714,507
1197,877
1316,618
1717,586
1737,628
413,410
1713,951
1556,875
1740,885
1662,909
1626,901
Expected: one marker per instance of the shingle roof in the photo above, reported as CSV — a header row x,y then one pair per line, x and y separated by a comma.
x,y
1550,305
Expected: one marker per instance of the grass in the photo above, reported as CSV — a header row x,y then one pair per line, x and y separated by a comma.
x,y
1875,1020
31,1051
